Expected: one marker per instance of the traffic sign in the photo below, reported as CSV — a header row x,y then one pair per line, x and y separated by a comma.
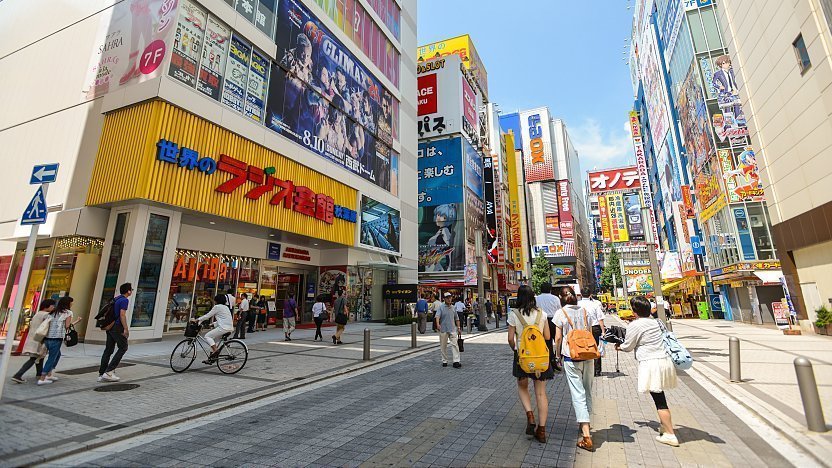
x,y
696,245
44,174
35,212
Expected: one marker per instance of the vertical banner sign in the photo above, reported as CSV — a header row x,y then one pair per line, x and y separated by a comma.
x,y
236,74
187,43
537,146
470,121
514,206
632,209
687,202
427,94
618,223
565,211
744,231
491,237
212,64
643,177
603,213
256,94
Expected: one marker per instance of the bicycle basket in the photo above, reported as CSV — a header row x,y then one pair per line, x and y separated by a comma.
x,y
192,330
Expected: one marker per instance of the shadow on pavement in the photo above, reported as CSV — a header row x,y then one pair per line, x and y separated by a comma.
x,y
614,433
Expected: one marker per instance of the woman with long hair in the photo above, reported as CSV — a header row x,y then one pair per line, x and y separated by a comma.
x,y
527,313
61,318
32,348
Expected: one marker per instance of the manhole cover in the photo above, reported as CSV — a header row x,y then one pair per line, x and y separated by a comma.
x,y
121,387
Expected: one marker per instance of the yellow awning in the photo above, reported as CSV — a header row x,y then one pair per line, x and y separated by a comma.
x,y
672,285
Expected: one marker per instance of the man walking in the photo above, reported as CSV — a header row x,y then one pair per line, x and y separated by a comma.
x,y
595,315
251,307
550,304
422,313
242,317
489,310
290,310
459,308
447,321
435,305
116,336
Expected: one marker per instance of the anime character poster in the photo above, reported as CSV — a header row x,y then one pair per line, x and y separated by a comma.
x,y
332,279
693,114
442,238
744,181
730,124
321,97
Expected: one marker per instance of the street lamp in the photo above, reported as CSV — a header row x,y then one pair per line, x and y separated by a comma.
x,y
646,218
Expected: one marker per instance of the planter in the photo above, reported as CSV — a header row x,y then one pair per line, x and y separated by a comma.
x,y
820,330
792,332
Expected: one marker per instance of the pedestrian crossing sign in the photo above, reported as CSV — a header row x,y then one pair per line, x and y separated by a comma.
x,y
35,212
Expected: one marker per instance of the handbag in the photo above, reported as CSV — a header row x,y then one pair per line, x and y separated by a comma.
x,y
678,353
71,336
43,330
461,344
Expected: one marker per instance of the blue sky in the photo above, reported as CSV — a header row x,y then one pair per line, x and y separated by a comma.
x,y
558,53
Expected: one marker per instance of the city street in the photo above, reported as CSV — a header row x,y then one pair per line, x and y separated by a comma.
x,y
401,412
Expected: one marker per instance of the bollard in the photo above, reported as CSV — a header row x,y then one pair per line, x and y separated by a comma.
x,y
413,335
470,324
734,359
366,344
809,395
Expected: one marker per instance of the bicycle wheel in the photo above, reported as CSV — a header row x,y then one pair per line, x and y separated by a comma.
x,y
183,355
232,357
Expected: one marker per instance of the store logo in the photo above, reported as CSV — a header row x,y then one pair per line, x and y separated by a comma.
x,y
427,94
535,139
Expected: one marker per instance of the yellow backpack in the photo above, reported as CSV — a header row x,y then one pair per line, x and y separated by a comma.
x,y
532,352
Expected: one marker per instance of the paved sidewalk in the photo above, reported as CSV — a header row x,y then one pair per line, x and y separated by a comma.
x,y
412,412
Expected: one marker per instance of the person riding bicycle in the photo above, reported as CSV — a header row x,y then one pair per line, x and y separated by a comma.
x,y
225,324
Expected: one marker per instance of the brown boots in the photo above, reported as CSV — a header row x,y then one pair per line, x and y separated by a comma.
x,y
530,423
540,434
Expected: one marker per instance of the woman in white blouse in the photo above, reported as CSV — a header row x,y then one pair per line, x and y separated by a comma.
x,y
656,372
225,323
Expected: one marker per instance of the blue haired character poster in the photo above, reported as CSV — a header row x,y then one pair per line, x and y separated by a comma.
x,y
441,238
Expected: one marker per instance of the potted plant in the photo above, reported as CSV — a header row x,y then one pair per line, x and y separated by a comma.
x,y
823,321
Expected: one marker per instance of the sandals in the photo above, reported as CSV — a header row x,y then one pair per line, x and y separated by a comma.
x,y
586,444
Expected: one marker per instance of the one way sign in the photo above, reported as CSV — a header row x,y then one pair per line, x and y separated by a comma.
x,y
35,212
44,174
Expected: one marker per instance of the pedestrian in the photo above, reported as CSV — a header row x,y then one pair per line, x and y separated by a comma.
x,y
549,304
489,310
656,372
241,316
290,313
318,316
459,308
35,350
596,321
224,325
263,313
252,312
435,305
116,336
342,316
447,321
528,313
61,318
578,373
421,313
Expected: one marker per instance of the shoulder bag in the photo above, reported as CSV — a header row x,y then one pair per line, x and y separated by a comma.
x,y
43,329
71,336
678,353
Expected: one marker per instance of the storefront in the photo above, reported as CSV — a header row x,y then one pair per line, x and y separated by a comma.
x,y
747,290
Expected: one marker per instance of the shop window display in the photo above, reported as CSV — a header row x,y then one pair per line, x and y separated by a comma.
x,y
150,271
110,288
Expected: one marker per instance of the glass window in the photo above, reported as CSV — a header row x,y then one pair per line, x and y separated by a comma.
x,y
150,271
65,258
108,292
697,32
264,20
231,2
826,6
711,27
249,276
181,294
759,231
246,8
207,271
802,54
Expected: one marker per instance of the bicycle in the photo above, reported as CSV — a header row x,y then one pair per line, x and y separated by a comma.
x,y
232,355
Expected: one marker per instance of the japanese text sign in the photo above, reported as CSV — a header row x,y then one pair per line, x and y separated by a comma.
x,y
622,178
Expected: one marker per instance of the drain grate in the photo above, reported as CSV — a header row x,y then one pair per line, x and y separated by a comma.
x,y
121,387
88,369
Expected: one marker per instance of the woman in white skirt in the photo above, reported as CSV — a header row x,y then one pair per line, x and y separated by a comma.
x,y
656,372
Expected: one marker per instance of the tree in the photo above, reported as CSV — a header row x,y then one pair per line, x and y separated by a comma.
x,y
611,269
541,272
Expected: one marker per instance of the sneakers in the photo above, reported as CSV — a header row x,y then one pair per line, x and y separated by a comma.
x,y
444,364
668,439
108,377
18,380
44,382
52,377
457,365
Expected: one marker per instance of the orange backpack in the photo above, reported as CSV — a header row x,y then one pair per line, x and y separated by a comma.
x,y
582,346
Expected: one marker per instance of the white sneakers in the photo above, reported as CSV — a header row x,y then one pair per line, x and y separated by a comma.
x,y
108,377
44,382
668,439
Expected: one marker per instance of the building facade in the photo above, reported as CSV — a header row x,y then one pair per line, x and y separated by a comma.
x,y
208,145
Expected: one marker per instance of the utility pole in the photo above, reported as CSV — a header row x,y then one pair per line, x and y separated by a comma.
x,y
480,282
654,267
623,278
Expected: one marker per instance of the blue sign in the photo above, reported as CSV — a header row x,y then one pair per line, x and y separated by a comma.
x,y
274,251
746,242
44,174
35,212
473,170
696,245
440,172
715,301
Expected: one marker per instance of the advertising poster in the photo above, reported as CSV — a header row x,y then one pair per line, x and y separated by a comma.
x,y
552,223
258,79
473,169
563,271
537,145
440,97
332,279
441,238
187,43
726,164
780,310
380,225
492,244
567,230
743,182
670,267
133,39
617,217
732,123
639,283
214,54
687,203
744,231
474,220
394,173
470,120
428,94
236,74
604,215
654,88
463,48
632,208
440,172
622,178
693,115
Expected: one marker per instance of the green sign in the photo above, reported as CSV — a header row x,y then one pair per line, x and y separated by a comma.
x,y
702,308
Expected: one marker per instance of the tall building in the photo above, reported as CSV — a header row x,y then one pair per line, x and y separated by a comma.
x,y
207,145
787,102
555,206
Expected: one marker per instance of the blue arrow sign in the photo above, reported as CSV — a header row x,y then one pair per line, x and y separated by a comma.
x,y
44,174
35,212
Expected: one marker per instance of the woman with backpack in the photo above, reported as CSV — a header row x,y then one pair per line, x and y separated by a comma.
x,y
526,325
573,337
33,348
60,320
656,372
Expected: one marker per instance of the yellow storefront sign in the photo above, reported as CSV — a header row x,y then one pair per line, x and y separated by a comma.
x,y
462,46
713,209
514,205
157,152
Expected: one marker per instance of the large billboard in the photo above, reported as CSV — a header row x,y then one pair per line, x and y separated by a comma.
x,y
655,93
440,171
565,219
446,101
693,114
621,178
492,238
442,236
617,218
743,181
632,210
473,169
462,47
321,97
380,225
538,162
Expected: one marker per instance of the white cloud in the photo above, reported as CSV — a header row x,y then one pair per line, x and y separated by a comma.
x,y
599,148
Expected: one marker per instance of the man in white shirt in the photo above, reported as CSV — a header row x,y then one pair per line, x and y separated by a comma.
x,y
549,303
459,308
595,314
242,317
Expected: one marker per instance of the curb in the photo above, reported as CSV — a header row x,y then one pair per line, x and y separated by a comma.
x,y
110,437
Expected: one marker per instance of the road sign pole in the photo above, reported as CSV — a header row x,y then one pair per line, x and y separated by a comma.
x,y
14,314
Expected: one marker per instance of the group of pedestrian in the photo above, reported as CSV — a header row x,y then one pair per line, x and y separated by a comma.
x,y
566,321
248,314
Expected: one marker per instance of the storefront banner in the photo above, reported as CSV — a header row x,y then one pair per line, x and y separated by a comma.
x,y
132,42
187,42
537,145
273,251
743,182
473,169
214,56
693,116
297,254
440,172
555,249
604,216
617,217
563,271
492,245
402,292
567,230
331,280
670,267
687,203
639,283
380,225
462,47
622,178
632,208
441,238
712,209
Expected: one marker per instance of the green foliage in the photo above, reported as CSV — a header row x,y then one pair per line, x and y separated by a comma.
x,y
612,268
401,320
824,317
541,272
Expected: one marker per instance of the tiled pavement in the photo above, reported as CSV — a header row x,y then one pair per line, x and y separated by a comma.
x,y
412,412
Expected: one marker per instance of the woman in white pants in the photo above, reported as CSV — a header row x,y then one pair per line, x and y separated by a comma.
x,y
224,324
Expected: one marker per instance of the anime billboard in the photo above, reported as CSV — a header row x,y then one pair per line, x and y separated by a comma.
x,y
441,238
730,124
743,182
693,113
440,172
